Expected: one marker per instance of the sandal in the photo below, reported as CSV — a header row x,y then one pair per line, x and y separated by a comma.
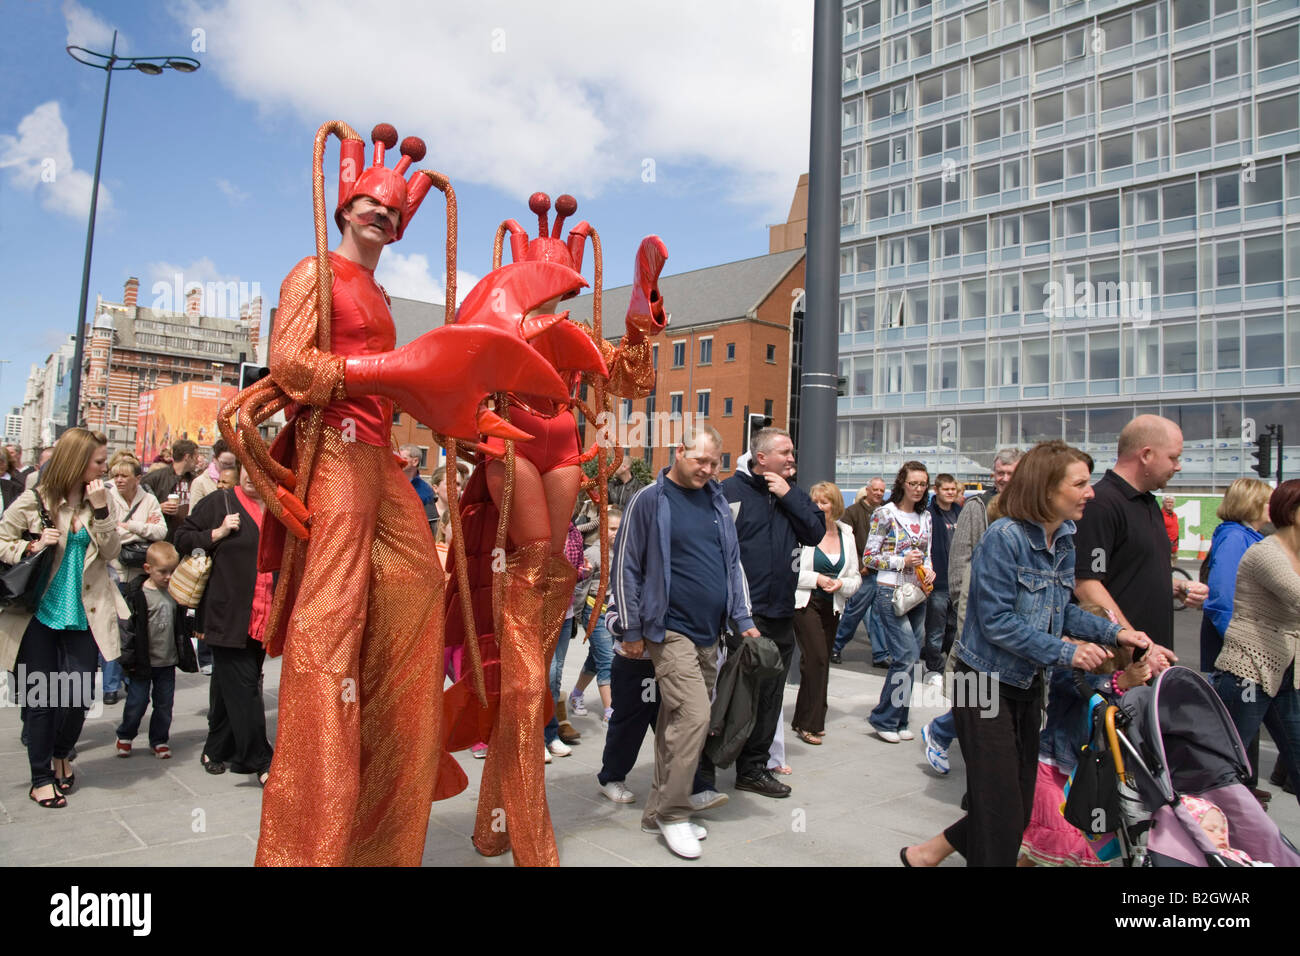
x,y
785,770
212,766
807,737
65,784
262,777
56,802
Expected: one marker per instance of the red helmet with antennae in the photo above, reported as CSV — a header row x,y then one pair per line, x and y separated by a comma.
x,y
550,248
386,186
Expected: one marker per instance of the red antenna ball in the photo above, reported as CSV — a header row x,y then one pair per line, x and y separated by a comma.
x,y
566,205
384,133
539,203
413,147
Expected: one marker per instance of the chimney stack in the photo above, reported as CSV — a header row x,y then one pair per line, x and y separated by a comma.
x,y
131,292
194,301
253,321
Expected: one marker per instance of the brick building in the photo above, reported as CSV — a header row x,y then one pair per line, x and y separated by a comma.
x,y
132,349
726,354
728,350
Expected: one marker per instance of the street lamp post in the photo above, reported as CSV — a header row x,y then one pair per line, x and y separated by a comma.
x,y
108,62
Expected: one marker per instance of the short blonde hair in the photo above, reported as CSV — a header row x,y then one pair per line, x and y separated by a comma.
x,y
162,554
1246,500
831,492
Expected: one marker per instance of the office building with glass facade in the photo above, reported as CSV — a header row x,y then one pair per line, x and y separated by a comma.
x,y
1057,215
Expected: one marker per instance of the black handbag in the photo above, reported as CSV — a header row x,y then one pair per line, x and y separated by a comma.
x,y
132,555
22,584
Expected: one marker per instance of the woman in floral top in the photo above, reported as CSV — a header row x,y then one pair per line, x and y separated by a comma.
x,y
899,544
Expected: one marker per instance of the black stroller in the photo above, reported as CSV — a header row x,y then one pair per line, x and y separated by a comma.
x,y
1155,743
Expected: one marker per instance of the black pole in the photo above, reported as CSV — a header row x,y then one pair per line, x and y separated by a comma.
x,y
1280,451
818,391
74,401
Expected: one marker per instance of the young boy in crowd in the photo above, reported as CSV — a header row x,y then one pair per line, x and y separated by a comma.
x,y
155,641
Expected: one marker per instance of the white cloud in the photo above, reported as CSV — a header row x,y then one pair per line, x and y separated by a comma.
x,y
85,29
411,277
232,192
573,97
38,158
166,285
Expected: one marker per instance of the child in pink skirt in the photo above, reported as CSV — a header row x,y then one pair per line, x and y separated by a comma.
x,y
1049,839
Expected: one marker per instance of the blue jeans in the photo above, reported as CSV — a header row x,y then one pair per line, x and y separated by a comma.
x,y
864,609
940,627
1249,707
855,609
600,654
163,681
902,646
942,731
551,733
113,678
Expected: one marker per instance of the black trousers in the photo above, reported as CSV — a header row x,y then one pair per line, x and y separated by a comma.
x,y
1001,754
814,627
56,671
634,695
236,717
753,758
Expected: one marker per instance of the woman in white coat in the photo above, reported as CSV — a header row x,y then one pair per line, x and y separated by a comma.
x,y
55,648
828,576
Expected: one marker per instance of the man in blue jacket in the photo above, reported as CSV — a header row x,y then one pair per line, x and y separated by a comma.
x,y
676,583
774,517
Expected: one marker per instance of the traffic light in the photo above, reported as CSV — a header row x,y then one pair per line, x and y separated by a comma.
x,y
1263,456
250,372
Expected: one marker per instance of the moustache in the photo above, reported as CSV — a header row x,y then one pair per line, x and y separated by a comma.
x,y
373,217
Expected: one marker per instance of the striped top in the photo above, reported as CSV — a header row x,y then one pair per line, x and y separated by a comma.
x,y
61,608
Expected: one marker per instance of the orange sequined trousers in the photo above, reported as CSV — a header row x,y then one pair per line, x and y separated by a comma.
x,y
361,686
512,809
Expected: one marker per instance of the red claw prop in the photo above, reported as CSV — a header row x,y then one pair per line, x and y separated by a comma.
x,y
645,311
441,377
387,186
296,517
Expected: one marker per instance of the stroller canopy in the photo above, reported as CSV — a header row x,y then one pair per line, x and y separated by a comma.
x,y
1185,736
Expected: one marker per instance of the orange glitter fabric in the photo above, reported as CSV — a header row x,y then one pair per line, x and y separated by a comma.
x,y
357,743
512,810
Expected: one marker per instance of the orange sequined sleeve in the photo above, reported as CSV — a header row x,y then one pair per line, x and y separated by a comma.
x,y
310,376
631,372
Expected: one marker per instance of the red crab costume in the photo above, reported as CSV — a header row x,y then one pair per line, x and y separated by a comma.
x,y
358,605
517,506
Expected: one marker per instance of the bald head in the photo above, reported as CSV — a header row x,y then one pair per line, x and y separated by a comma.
x,y
1149,453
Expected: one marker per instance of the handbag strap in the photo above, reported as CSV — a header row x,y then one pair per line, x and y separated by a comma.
x,y
46,520
131,512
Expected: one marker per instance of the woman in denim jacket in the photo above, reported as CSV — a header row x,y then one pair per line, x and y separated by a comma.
x,y
1022,576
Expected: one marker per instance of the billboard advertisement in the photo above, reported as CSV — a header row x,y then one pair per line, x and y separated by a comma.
x,y
188,410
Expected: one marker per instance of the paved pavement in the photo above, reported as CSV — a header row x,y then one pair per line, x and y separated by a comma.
x,y
856,800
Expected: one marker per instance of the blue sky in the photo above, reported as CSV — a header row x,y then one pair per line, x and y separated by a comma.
x,y
688,120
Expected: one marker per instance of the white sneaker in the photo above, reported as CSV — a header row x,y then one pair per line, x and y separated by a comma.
x,y
707,800
617,791
696,828
905,734
577,706
888,736
559,748
606,717
934,679
681,838
547,753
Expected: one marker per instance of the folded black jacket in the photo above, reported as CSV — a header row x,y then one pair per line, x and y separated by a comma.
x,y
735,703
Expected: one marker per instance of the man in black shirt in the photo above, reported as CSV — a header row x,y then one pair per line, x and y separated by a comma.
x,y
1122,551
171,485
774,516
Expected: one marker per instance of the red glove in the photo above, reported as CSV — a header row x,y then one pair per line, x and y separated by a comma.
x,y
443,376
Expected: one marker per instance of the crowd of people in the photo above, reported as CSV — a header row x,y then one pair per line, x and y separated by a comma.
x,y
1044,576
